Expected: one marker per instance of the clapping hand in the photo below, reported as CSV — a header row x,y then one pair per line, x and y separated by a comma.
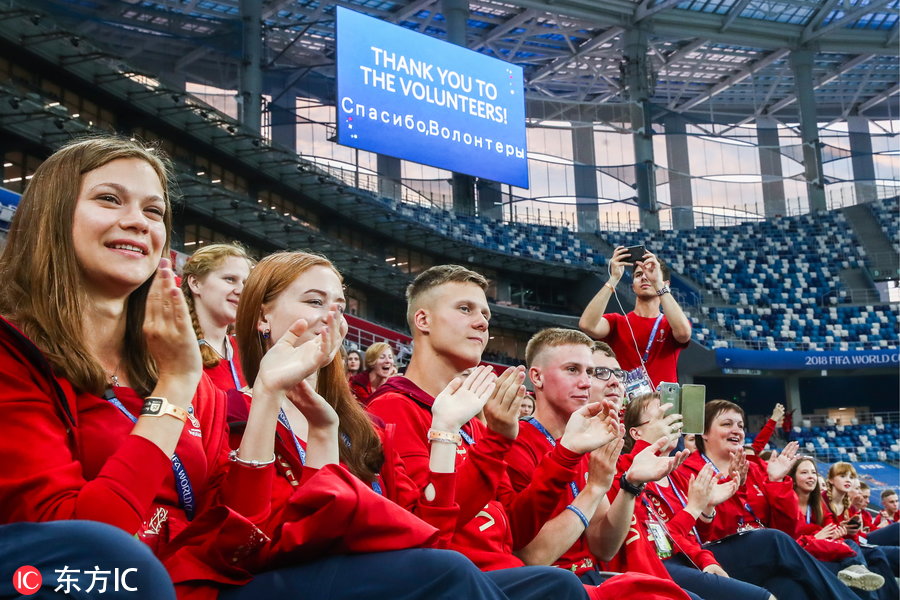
x,y
290,361
649,466
592,426
170,336
462,399
779,467
602,464
502,409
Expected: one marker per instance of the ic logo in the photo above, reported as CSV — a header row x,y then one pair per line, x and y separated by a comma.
x,y
27,580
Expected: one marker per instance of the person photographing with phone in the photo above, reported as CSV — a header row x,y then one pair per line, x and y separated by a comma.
x,y
647,340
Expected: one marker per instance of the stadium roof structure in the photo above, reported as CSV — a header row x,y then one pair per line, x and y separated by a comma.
x,y
711,60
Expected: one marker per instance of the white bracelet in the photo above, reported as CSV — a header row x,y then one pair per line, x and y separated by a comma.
x,y
446,437
256,464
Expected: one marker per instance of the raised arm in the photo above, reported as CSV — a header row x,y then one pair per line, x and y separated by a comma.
x,y
592,321
678,321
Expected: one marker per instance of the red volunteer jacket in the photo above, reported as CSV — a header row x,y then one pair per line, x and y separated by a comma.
x,y
222,376
638,551
70,455
361,387
436,520
526,454
493,520
774,504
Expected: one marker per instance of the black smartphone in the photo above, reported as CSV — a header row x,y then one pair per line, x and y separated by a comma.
x,y
635,253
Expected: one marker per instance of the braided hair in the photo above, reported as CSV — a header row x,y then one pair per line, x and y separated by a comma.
x,y
204,261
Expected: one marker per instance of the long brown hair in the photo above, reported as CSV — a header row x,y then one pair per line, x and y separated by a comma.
x,y
363,456
201,263
815,496
839,468
42,289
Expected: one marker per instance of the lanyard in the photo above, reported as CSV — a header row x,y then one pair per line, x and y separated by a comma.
x,y
652,336
681,500
711,463
234,375
752,514
301,453
808,513
572,485
467,438
229,358
182,481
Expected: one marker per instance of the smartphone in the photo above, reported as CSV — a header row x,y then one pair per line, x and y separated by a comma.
x,y
670,392
693,407
635,253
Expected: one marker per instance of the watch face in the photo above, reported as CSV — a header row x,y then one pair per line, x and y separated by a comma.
x,y
152,406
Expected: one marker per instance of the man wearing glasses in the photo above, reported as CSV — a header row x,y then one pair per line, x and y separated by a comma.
x,y
571,381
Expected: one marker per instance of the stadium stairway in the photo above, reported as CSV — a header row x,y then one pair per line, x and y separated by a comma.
x,y
882,256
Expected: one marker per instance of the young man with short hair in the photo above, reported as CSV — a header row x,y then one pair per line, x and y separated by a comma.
x,y
644,334
567,372
448,315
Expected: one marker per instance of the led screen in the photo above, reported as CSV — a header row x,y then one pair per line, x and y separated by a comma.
x,y
407,95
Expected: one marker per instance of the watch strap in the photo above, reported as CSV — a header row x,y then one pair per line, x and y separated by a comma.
x,y
156,406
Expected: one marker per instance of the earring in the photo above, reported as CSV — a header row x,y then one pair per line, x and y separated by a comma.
x,y
267,333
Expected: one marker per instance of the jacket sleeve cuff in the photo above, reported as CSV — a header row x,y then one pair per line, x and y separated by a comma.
x,y
444,489
248,490
565,457
494,444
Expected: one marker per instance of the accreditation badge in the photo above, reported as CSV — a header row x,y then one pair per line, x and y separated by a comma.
x,y
657,533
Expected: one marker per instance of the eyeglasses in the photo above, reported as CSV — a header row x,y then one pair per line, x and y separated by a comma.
x,y
603,373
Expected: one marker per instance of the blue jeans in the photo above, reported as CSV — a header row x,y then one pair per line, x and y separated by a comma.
x,y
709,586
420,574
886,536
79,547
771,559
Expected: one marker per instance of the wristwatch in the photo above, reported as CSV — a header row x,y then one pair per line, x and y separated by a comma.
x,y
634,490
663,290
155,406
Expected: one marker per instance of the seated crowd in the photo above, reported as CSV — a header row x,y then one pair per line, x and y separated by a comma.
x,y
212,436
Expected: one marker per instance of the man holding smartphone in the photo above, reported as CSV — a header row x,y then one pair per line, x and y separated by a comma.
x,y
645,335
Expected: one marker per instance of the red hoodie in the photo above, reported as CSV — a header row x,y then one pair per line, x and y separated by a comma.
x,y
493,519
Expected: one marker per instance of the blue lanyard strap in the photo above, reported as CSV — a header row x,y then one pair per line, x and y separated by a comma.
x,y
301,453
537,425
468,439
681,499
808,513
709,462
652,336
182,481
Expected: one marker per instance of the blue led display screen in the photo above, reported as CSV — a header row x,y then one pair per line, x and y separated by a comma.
x,y
407,95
